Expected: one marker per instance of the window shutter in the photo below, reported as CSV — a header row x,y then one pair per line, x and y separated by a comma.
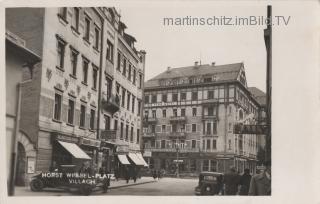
x,y
188,127
198,128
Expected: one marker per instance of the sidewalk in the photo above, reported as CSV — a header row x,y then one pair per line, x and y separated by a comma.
x,y
123,183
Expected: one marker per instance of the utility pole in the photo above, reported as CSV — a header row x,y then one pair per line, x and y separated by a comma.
x,y
268,42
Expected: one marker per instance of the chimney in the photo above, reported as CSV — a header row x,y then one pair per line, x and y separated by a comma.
x,y
213,63
196,63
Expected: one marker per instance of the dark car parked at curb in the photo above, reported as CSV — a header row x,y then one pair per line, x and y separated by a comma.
x,y
61,179
210,183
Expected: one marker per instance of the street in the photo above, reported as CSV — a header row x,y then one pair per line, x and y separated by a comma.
x,y
165,187
145,187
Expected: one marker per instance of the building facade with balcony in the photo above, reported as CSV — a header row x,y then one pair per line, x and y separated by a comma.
x,y
189,113
71,103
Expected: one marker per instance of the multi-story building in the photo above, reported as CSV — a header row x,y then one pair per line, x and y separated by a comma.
x,y
72,98
189,117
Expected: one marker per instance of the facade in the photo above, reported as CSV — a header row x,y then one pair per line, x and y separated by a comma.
x,y
71,104
189,117
20,62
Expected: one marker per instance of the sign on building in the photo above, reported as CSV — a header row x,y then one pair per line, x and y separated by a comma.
x,y
250,129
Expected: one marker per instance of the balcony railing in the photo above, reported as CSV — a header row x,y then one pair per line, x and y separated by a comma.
x,y
206,117
108,135
210,133
177,134
170,149
111,104
148,134
177,118
209,101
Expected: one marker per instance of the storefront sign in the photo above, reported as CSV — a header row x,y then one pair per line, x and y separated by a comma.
x,y
31,163
90,142
122,149
250,129
66,138
147,154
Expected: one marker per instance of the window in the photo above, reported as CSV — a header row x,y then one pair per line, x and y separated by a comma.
x,y
57,106
154,114
213,166
118,61
96,38
194,111
164,97
230,126
183,112
109,51
124,71
154,99
131,135
60,53
194,127
209,128
214,144
153,128
128,100
129,72
210,94
71,112
95,77
82,115
207,79
183,127
174,97
134,76
138,136
86,29
174,127
146,99
139,107
127,132
205,166
116,124
208,144
163,128
210,111
63,13
123,97
164,113
121,131
140,81
214,128
133,103
85,66
193,144
194,96
75,19
74,60
203,144
92,118
163,144
183,96
175,112
107,123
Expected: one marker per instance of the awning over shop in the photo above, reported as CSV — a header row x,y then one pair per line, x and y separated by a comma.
x,y
123,159
74,150
136,159
139,155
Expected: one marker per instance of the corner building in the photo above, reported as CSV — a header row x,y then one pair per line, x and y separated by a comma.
x,y
70,105
189,117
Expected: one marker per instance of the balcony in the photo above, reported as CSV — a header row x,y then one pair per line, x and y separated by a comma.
x,y
209,117
177,118
108,135
209,101
210,133
177,135
148,135
170,149
111,104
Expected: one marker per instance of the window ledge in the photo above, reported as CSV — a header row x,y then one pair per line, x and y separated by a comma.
x,y
70,124
82,128
72,76
60,68
94,89
56,120
87,41
92,130
96,49
75,31
62,19
84,83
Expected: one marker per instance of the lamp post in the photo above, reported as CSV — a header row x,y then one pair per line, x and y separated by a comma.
x,y
178,146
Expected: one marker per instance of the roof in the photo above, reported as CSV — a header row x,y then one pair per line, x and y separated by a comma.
x,y
259,95
210,173
228,72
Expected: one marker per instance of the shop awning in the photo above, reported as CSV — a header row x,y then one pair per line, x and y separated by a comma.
x,y
139,155
136,159
123,159
75,150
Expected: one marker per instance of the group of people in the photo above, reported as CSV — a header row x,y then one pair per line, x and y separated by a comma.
x,y
157,174
245,184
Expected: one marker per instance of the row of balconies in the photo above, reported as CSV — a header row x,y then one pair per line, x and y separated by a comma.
x,y
179,118
173,134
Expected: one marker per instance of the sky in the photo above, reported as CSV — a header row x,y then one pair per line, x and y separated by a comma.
x,y
178,46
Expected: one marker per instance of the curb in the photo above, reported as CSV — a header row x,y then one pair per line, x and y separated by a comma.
x,y
132,184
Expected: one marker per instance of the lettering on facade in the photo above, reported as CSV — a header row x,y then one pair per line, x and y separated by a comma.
x,y
250,129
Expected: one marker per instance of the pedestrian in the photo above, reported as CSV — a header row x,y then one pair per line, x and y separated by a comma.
x,y
231,182
154,174
245,182
261,184
159,174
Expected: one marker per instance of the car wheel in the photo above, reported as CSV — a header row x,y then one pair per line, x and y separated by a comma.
x,y
85,190
36,185
207,190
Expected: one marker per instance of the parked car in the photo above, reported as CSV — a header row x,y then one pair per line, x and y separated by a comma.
x,y
60,178
210,183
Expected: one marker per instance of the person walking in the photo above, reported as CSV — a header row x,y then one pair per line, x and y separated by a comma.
x,y
245,182
231,182
261,184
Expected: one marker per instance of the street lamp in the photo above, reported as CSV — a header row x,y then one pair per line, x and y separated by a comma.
x,y
178,146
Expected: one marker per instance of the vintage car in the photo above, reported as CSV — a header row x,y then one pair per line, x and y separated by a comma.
x,y
210,183
67,178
